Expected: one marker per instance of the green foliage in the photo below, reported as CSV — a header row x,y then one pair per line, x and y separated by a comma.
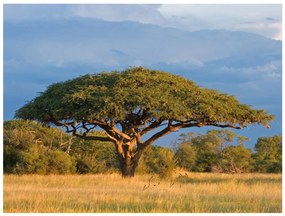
x,y
30,147
268,155
216,151
236,159
224,151
269,148
205,162
94,156
186,156
59,163
116,95
160,160
133,102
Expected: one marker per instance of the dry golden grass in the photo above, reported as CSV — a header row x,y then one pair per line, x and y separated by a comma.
x,y
197,192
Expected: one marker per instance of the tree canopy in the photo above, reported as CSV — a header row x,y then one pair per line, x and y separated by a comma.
x,y
133,102
140,96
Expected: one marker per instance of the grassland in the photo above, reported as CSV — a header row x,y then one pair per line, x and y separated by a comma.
x,y
196,192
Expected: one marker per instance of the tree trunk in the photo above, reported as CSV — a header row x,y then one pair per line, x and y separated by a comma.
x,y
128,170
129,164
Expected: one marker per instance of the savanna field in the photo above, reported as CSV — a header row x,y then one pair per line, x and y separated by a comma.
x,y
102,193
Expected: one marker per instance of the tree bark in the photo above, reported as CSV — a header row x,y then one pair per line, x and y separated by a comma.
x,y
127,169
129,163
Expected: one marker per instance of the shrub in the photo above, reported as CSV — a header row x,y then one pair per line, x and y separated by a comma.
x,y
31,148
161,161
59,162
94,156
186,156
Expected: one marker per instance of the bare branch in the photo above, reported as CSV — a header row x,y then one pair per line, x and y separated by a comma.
x,y
111,137
125,136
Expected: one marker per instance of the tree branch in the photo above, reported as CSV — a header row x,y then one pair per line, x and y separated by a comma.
x,y
125,136
226,126
159,134
174,127
98,138
151,127
200,124
112,129
111,137
195,123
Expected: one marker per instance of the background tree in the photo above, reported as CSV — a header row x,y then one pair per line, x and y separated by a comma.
x,y
268,155
133,103
217,150
186,156
236,159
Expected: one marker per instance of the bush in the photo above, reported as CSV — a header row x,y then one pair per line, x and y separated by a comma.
x,y
186,156
160,160
60,163
30,162
31,148
205,162
94,156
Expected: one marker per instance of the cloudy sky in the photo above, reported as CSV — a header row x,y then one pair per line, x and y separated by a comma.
x,y
261,19
232,48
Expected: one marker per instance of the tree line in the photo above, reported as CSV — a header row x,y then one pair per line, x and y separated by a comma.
x,y
33,148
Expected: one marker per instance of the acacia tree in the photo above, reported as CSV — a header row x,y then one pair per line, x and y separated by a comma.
x,y
130,104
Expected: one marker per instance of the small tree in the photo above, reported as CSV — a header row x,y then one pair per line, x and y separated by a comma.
x,y
268,155
236,159
213,151
186,155
133,103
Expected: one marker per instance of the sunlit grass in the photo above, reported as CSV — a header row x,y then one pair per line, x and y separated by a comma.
x,y
196,192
